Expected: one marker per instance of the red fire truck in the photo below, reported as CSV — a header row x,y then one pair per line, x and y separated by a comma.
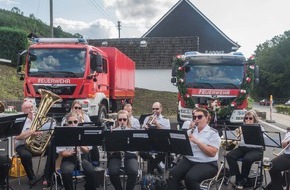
x,y
102,78
219,82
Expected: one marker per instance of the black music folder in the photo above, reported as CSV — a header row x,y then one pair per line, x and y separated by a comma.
x,y
78,136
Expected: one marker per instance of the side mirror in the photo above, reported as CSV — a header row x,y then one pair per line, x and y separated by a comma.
x,y
173,72
20,61
173,81
96,63
99,68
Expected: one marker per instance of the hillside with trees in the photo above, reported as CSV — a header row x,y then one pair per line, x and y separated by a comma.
x,y
16,19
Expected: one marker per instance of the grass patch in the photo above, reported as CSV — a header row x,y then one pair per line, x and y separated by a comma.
x,y
11,88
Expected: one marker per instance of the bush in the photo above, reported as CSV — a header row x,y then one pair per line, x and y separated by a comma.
x,y
283,109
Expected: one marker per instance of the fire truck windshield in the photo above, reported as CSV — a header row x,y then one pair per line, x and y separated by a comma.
x,y
214,76
56,62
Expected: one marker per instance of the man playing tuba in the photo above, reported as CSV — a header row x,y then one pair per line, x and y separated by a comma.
x,y
23,152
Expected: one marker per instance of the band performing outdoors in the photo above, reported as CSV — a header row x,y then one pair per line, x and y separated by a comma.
x,y
187,158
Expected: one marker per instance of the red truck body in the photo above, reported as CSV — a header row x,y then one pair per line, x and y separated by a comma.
x,y
102,78
121,85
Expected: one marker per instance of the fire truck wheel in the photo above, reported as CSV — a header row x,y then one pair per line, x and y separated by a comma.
x,y
102,113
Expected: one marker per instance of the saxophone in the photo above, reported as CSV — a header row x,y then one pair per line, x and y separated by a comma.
x,y
37,144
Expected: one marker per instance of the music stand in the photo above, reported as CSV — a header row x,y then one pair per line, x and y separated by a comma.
x,y
228,134
253,135
11,126
78,136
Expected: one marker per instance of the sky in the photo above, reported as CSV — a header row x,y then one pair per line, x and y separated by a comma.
x,y
247,22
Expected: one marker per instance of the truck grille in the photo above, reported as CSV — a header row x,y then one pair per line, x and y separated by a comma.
x,y
59,89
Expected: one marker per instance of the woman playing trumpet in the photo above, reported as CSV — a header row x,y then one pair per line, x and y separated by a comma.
x,y
279,164
76,108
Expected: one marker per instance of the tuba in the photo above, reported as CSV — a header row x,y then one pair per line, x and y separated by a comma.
x,y
37,144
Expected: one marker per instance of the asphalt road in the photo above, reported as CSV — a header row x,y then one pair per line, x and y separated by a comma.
x,y
280,125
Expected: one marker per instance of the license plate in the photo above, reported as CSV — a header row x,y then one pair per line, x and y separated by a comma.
x,y
56,105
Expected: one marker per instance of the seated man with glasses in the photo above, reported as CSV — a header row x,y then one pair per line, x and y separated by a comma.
x,y
155,121
247,152
70,156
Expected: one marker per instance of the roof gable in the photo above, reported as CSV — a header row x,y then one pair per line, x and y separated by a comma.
x,y
184,19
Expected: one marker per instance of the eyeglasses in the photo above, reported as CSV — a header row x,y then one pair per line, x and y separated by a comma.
x,y
76,107
122,119
71,122
155,108
248,118
197,117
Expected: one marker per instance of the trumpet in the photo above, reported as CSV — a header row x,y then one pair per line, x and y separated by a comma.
x,y
151,119
80,118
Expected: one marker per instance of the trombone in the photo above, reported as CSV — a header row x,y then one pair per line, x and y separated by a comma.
x,y
285,148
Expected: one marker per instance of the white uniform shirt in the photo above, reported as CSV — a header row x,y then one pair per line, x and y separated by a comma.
x,y
26,127
161,120
286,138
207,136
135,123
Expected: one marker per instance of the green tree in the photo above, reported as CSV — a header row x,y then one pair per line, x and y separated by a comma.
x,y
273,58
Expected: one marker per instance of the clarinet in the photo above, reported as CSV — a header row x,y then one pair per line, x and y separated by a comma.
x,y
192,130
79,157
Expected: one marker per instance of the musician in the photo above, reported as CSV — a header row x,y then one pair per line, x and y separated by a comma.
x,y
130,160
155,121
4,169
134,122
23,152
76,108
248,153
69,156
205,142
279,164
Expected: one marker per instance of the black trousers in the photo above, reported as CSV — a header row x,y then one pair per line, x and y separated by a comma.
x,y
67,167
279,164
153,161
248,156
4,168
192,172
131,169
26,160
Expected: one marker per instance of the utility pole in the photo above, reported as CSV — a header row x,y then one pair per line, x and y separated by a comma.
x,y
119,28
51,17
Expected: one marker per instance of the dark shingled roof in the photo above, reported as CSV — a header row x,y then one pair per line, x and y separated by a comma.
x,y
184,19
